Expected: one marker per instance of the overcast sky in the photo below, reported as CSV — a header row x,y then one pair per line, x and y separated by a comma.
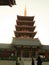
x,y
37,8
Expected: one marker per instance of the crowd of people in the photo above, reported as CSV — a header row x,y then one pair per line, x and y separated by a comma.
x,y
20,61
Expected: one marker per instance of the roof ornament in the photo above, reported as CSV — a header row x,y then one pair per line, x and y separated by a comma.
x,y
25,12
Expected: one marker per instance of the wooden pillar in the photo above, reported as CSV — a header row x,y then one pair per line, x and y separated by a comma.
x,y
15,52
22,51
30,52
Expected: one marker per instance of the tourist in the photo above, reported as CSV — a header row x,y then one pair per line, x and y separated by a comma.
x,y
21,61
17,61
39,61
33,61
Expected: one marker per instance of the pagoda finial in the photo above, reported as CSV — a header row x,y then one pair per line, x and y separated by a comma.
x,y
25,11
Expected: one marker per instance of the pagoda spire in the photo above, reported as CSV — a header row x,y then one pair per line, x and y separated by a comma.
x,y
25,12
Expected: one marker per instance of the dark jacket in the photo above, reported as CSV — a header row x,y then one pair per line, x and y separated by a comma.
x,y
39,61
33,61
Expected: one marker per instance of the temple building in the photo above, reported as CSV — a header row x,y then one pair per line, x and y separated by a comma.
x,y
24,44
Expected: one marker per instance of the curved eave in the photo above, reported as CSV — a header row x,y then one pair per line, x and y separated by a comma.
x,y
31,34
29,28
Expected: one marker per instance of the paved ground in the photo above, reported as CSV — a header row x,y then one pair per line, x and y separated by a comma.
x,y
25,61
29,63
45,63
6,62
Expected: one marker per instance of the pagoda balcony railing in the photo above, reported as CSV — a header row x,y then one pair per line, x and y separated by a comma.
x,y
27,24
24,32
24,21
24,26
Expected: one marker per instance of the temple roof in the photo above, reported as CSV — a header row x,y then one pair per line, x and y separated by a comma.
x,y
29,42
4,46
45,47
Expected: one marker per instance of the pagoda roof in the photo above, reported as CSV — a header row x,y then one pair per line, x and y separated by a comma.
x,y
28,18
26,41
45,47
25,33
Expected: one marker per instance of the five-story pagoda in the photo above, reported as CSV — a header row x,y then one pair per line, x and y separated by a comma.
x,y
24,41
24,27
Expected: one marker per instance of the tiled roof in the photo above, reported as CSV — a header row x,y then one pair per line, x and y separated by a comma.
x,y
45,47
2,45
21,41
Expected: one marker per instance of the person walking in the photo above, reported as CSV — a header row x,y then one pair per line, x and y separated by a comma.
x,y
21,62
39,61
33,61
17,61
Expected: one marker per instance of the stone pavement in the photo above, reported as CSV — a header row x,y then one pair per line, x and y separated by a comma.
x,y
26,62
29,63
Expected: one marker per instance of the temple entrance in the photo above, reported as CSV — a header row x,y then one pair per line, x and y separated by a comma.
x,y
18,52
26,52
